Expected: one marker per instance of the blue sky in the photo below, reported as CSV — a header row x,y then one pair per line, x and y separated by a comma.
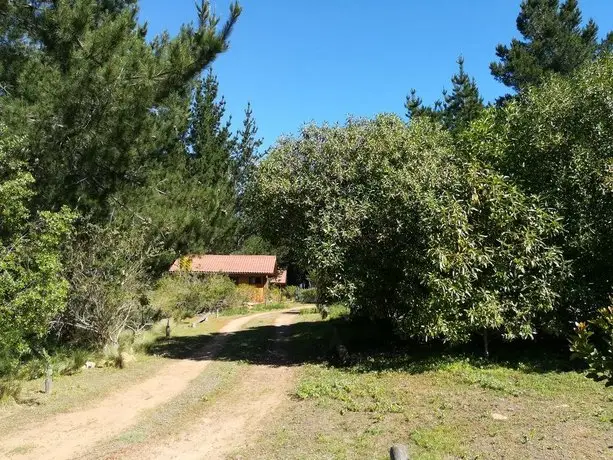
x,y
298,61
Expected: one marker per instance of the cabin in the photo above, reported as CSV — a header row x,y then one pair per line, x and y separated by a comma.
x,y
256,271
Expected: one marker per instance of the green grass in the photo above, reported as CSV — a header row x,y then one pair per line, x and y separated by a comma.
x,y
259,308
442,404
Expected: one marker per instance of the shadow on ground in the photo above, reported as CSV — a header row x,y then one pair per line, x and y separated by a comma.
x,y
372,348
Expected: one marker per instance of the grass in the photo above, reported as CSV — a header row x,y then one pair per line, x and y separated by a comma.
x,y
258,308
443,403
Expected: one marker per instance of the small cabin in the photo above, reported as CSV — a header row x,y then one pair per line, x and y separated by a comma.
x,y
256,271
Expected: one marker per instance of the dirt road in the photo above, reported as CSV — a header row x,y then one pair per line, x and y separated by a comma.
x,y
70,435
234,419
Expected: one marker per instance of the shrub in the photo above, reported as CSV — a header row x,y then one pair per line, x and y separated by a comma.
x,y
184,295
275,294
9,389
290,292
593,342
108,275
404,226
306,295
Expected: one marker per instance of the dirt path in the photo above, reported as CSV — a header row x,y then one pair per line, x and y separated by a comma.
x,y
234,419
69,435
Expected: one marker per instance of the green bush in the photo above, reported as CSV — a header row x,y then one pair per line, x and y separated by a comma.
x,y
306,295
402,225
290,292
184,295
593,342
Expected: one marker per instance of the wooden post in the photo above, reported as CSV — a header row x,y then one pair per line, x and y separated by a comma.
x,y
168,328
48,379
399,452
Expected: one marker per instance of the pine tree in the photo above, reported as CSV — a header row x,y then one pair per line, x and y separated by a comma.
x,y
457,109
247,152
89,92
464,104
415,108
554,42
210,138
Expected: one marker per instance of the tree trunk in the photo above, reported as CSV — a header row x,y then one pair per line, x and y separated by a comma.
x,y
486,345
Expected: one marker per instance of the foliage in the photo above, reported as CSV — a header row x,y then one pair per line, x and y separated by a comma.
x,y
457,109
184,295
94,96
291,292
306,295
555,142
109,279
32,287
391,219
555,42
593,342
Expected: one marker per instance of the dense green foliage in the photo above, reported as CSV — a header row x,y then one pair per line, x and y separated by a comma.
x,y
457,109
117,157
120,130
555,42
184,295
404,228
593,342
32,288
555,142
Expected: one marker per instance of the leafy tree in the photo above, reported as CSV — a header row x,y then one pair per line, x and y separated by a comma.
x,y
396,222
554,42
457,109
555,142
32,287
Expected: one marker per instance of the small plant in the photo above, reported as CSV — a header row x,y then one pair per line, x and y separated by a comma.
x,y
307,295
290,292
10,389
593,342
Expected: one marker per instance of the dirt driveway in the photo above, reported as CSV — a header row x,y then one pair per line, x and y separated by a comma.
x,y
72,434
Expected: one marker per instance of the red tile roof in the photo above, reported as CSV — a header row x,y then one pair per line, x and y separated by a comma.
x,y
281,278
231,265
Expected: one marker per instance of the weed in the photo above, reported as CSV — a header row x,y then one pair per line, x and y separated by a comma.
x,y
10,389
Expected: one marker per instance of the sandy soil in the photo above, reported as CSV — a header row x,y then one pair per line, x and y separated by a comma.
x,y
234,419
69,435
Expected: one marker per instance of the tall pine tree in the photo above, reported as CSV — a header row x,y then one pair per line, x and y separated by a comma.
x,y
554,42
247,152
457,109
464,104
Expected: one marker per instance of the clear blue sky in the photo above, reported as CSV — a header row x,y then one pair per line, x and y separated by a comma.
x,y
320,60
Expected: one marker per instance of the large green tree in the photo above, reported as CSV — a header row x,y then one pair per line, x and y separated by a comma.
x,y
396,221
555,41
104,113
91,91
555,142
32,287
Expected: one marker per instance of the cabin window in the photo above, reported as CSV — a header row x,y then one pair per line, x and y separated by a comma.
x,y
255,280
